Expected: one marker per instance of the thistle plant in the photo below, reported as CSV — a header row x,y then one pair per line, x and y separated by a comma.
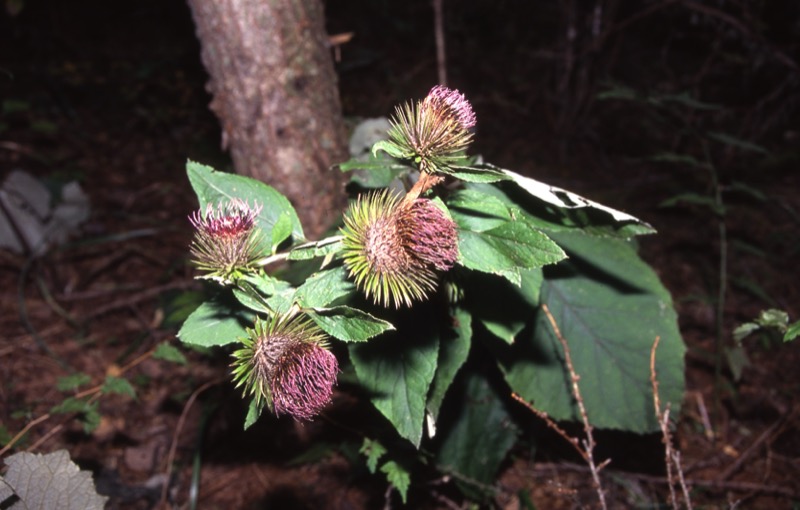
x,y
394,248
226,240
493,231
434,132
284,364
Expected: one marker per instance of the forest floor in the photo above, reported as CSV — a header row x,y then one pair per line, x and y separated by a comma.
x,y
117,102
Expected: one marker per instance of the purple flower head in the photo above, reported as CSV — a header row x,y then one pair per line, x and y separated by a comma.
x,y
434,132
302,380
376,255
453,104
225,239
431,236
393,248
285,365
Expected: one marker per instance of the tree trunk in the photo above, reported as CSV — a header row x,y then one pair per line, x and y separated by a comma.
x,y
275,93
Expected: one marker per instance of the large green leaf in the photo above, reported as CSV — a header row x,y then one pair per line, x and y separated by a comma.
x,y
493,240
477,211
478,438
397,369
213,187
453,352
348,324
512,245
215,322
610,307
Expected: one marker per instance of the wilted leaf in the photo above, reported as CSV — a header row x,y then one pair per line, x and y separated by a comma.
x,y
47,482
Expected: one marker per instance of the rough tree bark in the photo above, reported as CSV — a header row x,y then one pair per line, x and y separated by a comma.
x,y
275,93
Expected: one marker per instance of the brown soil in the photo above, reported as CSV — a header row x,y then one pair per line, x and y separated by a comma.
x,y
115,99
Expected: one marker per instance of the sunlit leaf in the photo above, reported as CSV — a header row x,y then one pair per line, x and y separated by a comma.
x,y
324,287
512,245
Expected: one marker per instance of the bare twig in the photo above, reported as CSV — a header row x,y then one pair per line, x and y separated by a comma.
x,y
676,458
22,432
588,443
671,457
553,425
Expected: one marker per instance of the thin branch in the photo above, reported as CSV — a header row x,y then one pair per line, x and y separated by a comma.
x,y
588,443
22,432
553,425
671,457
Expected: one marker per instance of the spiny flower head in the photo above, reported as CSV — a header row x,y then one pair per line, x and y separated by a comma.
x,y
434,132
285,364
431,236
453,103
393,248
226,239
